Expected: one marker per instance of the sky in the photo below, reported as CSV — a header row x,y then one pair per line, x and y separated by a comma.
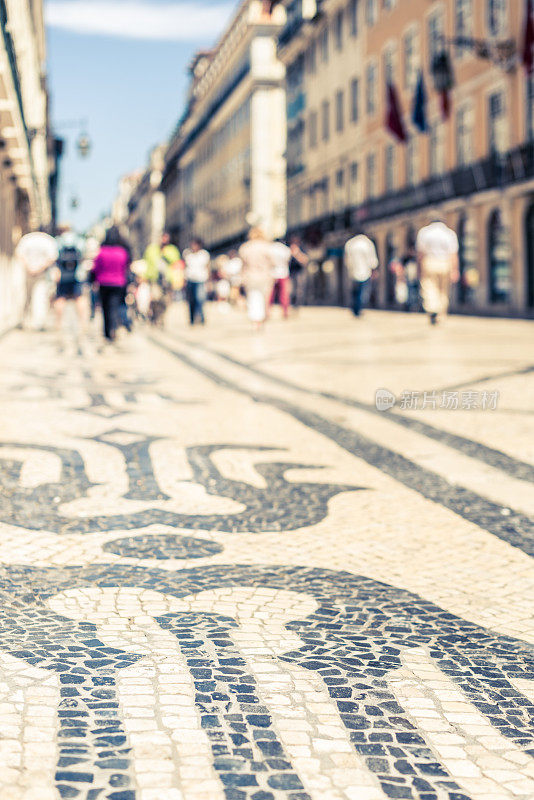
x,y
121,66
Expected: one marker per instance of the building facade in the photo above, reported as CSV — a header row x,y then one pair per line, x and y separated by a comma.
x,y
474,167
146,206
24,137
225,165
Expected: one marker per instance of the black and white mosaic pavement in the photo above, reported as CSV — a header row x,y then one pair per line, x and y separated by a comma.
x,y
299,663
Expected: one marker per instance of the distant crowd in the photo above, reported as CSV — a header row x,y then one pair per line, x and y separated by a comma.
x,y
262,272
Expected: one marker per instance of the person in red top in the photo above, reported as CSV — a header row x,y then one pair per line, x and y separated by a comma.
x,y
110,271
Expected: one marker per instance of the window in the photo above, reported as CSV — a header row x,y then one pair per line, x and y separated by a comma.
x,y
389,4
370,100
371,12
371,175
530,108
340,178
411,61
412,173
338,30
435,143
355,99
323,43
353,16
354,172
312,128
496,17
464,134
390,167
312,57
340,111
435,36
463,22
496,122
388,62
325,113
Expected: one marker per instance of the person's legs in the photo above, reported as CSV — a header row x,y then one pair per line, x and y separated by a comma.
x,y
104,302
59,307
356,297
285,294
272,296
191,299
81,310
201,296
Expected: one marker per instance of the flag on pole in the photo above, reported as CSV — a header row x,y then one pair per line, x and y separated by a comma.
x,y
445,100
419,117
528,44
394,122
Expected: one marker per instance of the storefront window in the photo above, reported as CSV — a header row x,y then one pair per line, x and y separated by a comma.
x,y
499,259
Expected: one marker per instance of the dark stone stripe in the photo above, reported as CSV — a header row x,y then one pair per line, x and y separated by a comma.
x,y
514,528
481,452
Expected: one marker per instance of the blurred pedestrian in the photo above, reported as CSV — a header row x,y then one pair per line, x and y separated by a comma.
x,y
197,263
361,260
234,270
36,252
297,271
110,271
161,258
437,253
258,264
70,275
411,277
281,256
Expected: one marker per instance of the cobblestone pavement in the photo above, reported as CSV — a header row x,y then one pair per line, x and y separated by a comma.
x,y
225,575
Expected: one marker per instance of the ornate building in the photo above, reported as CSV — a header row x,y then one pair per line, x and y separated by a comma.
x,y
24,156
474,166
225,168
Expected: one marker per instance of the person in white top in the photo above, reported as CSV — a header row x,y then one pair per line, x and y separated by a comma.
x,y
281,256
196,273
437,254
36,252
234,273
360,259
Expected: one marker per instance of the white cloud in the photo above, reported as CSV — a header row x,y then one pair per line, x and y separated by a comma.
x,y
182,21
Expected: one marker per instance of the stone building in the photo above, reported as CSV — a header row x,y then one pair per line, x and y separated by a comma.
x,y
145,220
225,168
24,156
475,168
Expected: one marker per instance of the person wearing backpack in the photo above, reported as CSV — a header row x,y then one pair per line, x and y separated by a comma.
x,y
70,276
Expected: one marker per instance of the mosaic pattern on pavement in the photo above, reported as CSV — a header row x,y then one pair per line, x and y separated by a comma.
x,y
173,661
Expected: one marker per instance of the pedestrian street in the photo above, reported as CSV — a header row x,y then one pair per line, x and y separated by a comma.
x,y
227,574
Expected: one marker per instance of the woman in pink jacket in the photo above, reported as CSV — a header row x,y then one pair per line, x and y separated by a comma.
x,y
110,271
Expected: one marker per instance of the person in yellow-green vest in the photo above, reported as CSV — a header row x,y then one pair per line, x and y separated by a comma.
x,y
161,261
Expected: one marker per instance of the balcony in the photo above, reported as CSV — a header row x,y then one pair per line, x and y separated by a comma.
x,y
490,173
515,166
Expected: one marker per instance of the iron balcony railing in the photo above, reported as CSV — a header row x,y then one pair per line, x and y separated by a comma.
x,y
494,172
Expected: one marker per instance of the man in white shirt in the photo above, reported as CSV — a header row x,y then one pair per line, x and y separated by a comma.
x,y
36,252
437,253
197,263
360,259
281,256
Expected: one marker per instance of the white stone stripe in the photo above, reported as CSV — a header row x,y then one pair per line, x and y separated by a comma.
x,y
171,753
304,716
29,698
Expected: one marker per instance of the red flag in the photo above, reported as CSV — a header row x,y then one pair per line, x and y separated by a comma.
x,y
394,122
445,100
528,46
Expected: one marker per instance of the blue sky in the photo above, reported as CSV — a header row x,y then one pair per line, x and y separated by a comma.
x,y
120,64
